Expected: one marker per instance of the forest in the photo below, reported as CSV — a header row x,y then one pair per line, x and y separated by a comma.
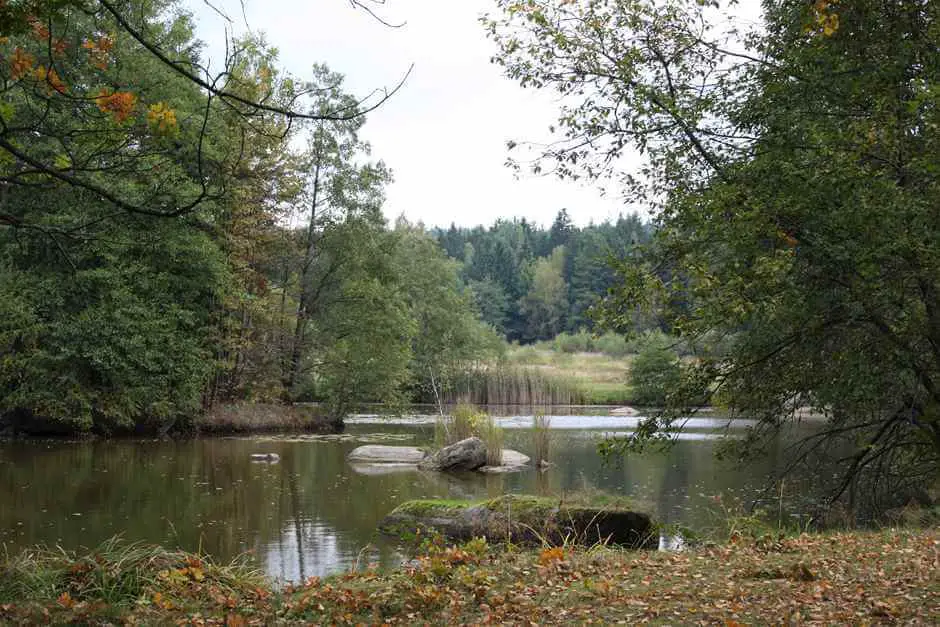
x,y
166,248
173,239
185,243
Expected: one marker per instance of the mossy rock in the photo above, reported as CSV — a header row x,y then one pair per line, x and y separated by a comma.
x,y
522,520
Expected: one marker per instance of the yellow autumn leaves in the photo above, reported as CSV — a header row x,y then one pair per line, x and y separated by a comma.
x,y
826,19
120,105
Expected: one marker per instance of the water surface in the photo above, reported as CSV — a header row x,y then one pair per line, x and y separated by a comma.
x,y
312,513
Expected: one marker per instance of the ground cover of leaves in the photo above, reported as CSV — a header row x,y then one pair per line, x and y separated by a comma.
x,y
878,577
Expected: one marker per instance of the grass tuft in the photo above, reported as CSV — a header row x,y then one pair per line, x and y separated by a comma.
x,y
541,438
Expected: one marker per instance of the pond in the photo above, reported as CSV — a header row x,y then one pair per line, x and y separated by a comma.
x,y
312,513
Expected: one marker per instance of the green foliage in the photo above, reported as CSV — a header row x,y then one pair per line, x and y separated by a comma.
x,y
463,422
612,344
654,375
501,265
580,342
98,348
795,196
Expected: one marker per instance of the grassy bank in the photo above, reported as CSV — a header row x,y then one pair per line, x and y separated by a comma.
x,y
597,378
843,578
244,418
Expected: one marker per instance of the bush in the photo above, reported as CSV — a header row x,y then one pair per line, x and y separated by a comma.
x,y
580,342
653,374
612,345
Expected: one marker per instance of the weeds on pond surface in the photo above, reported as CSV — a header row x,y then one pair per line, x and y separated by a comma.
x,y
842,578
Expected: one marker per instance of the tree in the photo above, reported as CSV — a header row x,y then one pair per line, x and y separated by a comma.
x,y
449,336
794,169
546,303
338,189
65,82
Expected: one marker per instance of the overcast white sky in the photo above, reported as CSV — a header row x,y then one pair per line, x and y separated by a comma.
x,y
444,134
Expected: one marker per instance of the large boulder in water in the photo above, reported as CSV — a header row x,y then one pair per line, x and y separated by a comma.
x,y
468,454
381,454
523,520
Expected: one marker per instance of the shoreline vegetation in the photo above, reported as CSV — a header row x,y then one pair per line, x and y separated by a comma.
x,y
567,371
890,575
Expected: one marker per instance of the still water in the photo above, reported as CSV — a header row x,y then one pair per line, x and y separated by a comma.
x,y
312,513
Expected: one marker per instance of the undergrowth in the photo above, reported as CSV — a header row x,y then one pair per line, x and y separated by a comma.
x,y
841,578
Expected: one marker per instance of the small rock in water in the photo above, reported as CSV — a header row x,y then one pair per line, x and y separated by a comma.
x,y
272,458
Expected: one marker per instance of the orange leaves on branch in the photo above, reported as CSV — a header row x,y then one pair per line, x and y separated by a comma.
x,y
40,30
21,64
119,104
827,21
50,77
99,50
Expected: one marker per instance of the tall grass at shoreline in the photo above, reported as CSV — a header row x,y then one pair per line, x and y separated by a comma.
x,y
541,438
502,384
115,573
466,421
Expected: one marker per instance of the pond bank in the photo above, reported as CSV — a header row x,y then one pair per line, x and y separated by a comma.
x,y
843,578
248,418
223,419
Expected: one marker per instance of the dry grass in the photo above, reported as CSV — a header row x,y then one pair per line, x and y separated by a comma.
x,y
541,438
261,418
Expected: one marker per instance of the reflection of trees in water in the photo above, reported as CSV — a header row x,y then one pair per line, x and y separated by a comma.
x,y
309,511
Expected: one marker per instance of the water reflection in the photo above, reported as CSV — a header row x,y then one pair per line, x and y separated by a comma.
x,y
311,513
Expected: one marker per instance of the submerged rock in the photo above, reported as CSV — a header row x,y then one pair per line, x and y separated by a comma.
x,y
512,461
467,454
381,468
624,411
383,454
271,458
523,519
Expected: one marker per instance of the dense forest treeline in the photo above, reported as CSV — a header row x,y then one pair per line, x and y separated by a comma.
x,y
532,283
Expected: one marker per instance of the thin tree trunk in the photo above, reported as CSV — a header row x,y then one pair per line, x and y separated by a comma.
x,y
303,306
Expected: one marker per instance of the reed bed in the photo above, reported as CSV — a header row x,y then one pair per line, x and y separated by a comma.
x,y
512,385
541,438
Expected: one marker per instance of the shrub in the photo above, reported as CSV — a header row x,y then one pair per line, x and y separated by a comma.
x,y
492,436
653,374
612,345
580,342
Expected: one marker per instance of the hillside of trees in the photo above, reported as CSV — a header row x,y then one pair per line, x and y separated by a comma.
x,y
531,283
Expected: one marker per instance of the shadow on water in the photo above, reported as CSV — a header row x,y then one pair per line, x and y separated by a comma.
x,y
310,512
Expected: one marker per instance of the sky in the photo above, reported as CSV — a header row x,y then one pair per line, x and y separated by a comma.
x,y
444,133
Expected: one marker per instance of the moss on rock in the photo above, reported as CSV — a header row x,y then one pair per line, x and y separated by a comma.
x,y
523,520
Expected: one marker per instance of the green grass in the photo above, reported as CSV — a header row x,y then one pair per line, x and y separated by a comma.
x,y
541,438
859,577
597,379
467,421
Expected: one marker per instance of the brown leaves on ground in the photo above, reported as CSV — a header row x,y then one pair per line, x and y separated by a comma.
x,y
845,578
